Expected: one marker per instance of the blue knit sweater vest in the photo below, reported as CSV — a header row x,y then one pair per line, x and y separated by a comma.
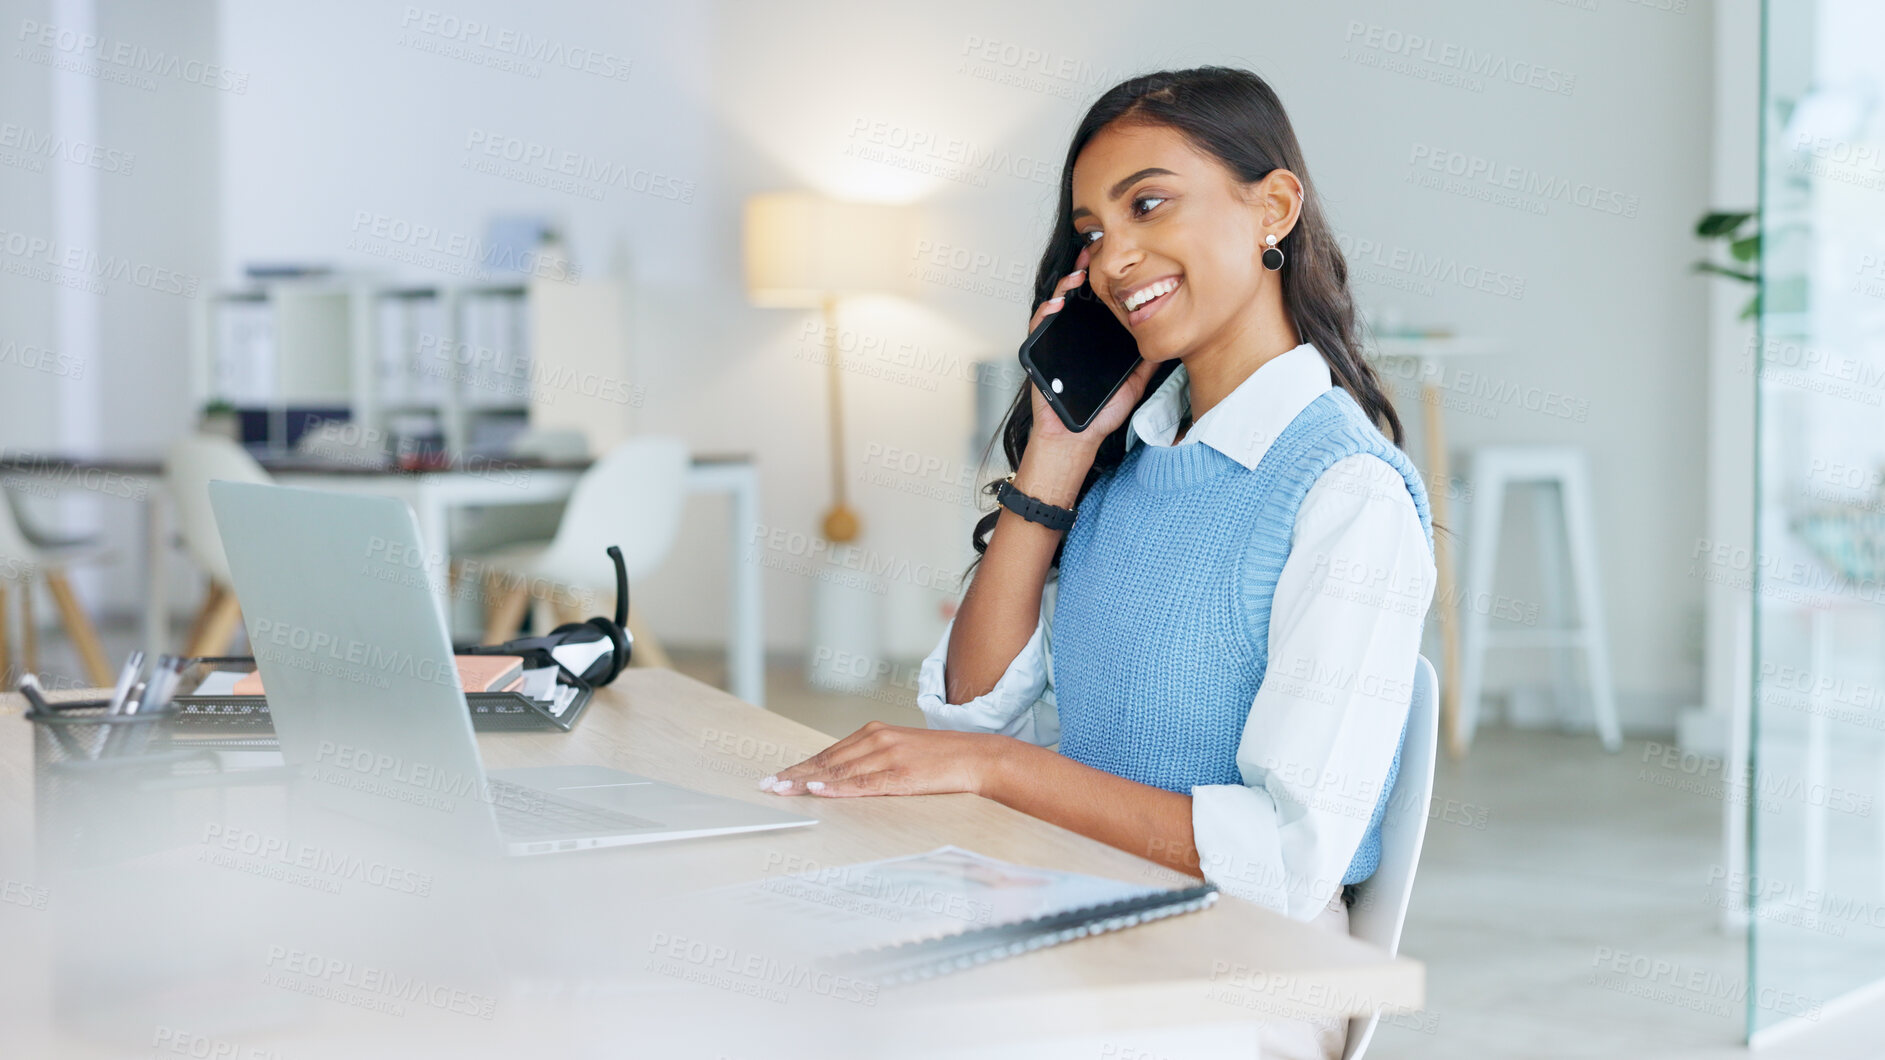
x,y
1161,627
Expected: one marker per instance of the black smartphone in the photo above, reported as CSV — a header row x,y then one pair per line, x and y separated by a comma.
x,y
1079,357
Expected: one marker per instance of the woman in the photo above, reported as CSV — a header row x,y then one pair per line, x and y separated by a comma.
x,y
1227,659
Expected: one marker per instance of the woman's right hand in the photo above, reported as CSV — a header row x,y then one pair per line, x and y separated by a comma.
x,y
1048,431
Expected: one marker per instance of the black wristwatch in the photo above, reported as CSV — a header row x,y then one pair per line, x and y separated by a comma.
x,y
1051,516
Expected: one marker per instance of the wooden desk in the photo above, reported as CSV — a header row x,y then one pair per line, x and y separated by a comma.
x,y
1216,970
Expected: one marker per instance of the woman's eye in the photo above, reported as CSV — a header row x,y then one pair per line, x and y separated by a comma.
x,y
1088,235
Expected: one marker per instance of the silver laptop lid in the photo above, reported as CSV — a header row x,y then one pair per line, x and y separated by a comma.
x,y
345,618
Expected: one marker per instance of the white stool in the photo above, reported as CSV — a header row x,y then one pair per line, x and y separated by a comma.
x,y
1494,469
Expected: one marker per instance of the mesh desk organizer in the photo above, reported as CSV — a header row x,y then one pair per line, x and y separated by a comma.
x,y
238,716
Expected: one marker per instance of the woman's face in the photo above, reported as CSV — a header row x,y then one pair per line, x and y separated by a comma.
x,y
1155,213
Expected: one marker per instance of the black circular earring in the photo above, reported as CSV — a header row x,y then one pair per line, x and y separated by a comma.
x,y
1272,254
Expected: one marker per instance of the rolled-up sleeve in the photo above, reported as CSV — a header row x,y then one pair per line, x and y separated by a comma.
x,y
1020,705
1345,628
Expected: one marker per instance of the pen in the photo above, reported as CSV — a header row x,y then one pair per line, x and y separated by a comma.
x,y
132,664
163,683
29,687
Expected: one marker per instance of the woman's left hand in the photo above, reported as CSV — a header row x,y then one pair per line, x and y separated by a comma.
x,y
881,759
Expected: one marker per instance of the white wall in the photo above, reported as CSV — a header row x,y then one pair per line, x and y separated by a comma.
x,y
347,111
111,157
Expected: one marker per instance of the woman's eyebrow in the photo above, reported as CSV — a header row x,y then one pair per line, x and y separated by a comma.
x,y
1120,188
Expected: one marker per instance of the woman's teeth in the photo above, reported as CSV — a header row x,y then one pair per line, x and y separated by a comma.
x,y
1146,294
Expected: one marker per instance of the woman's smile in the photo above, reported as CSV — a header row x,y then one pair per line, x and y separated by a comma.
x,y
1139,308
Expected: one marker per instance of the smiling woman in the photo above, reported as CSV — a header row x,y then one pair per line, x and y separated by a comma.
x,y
1212,667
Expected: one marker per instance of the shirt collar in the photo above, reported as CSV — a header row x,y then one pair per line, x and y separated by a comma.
x,y
1243,425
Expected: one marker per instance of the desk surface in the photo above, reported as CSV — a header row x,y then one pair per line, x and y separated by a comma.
x,y
1228,964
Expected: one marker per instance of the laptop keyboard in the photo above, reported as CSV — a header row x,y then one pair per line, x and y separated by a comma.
x,y
529,813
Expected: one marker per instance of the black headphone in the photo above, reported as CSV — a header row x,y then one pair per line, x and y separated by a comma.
x,y
536,650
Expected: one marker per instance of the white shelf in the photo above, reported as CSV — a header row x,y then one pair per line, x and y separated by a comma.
x,y
376,346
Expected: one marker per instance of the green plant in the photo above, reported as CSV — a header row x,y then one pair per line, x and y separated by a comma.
x,y
1744,248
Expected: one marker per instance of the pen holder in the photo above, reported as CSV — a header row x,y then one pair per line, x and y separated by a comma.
x,y
108,787
84,733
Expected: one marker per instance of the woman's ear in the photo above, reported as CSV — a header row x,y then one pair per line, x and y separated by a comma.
x,y
1279,196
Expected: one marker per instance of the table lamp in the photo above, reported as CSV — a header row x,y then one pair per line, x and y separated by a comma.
x,y
803,250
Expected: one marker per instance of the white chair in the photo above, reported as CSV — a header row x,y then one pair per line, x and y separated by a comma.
x,y
630,498
1496,469
189,467
486,528
21,560
42,536
1380,909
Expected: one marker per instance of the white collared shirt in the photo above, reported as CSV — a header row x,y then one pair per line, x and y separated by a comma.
x,y
1318,742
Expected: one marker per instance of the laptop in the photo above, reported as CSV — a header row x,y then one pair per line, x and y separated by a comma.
x,y
344,611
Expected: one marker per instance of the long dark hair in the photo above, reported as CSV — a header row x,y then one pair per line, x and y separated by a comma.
x,y
1233,115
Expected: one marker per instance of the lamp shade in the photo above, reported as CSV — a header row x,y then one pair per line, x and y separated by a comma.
x,y
801,247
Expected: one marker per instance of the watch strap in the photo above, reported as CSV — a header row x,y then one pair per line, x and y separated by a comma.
x,y
1032,509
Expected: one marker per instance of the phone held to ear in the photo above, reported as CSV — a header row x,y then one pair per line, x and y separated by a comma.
x,y
1079,356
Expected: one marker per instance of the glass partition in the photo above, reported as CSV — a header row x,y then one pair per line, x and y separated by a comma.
x,y
1816,881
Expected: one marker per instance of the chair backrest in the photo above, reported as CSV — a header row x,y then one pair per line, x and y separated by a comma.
x,y
1380,909
189,467
18,555
631,497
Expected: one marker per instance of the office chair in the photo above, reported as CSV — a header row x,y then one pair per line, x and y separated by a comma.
x,y
1380,909
632,498
188,468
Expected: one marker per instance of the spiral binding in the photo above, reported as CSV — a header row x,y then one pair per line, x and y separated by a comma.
x,y
915,961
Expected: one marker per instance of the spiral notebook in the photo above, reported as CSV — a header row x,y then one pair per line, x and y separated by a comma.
x,y
910,918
